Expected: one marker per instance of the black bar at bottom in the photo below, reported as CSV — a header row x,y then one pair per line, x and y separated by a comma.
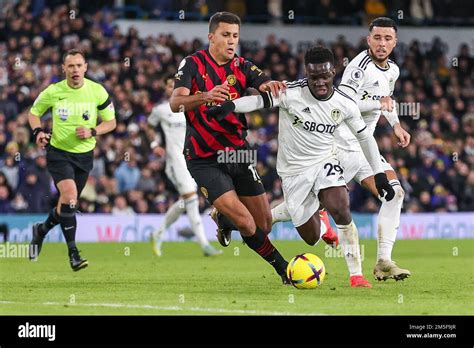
x,y
208,330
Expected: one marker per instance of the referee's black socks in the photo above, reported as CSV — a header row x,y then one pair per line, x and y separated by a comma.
x,y
262,246
67,219
51,221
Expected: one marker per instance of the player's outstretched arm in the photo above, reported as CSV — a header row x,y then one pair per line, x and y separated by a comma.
x,y
243,104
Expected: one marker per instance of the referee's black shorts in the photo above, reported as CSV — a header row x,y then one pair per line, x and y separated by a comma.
x,y
67,165
214,178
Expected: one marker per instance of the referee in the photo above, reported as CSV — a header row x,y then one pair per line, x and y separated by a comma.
x,y
76,103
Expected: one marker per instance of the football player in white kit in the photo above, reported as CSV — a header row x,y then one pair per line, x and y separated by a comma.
x,y
174,128
310,111
369,79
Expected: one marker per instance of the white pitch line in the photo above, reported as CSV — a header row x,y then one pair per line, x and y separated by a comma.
x,y
165,308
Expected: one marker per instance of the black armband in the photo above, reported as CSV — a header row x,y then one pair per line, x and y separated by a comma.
x,y
267,99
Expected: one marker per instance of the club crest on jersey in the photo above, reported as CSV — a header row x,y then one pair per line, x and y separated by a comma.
x,y
336,115
86,116
231,80
178,75
63,114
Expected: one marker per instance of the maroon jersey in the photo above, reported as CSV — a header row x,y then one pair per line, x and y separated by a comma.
x,y
200,73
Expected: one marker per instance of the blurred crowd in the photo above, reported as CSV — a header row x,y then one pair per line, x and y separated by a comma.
x,y
436,170
351,12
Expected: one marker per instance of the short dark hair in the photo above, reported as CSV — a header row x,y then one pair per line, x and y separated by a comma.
x,y
73,52
383,22
318,55
222,17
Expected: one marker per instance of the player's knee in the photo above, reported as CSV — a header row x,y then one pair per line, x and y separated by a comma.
x,y
342,215
312,239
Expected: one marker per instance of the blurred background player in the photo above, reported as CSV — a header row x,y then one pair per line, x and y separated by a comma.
x,y
208,77
309,112
76,103
174,128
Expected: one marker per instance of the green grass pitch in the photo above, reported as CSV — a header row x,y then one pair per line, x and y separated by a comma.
x,y
127,279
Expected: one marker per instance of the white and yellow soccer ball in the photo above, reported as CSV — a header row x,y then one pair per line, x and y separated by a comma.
x,y
306,271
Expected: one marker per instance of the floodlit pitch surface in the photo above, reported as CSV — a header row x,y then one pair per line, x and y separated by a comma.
x,y
127,279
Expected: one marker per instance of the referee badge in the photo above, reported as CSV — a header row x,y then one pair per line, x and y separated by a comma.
x,y
231,79
204,192
63,114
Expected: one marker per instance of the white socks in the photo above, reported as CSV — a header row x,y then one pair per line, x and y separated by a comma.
x,y
323,229
280,213
171,216
349,240
192,209
388,222
191,206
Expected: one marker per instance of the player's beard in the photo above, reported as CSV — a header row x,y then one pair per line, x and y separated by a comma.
x,y
378,60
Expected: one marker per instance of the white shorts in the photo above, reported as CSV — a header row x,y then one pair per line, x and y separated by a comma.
x,y
356,166
301,191
179,175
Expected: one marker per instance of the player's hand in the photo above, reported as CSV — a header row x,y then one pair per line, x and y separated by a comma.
x,y
218,94
159,151
83,132
402,135
386,103
273,86
384,188
42,139
219,112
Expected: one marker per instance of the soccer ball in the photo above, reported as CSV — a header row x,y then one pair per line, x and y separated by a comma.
x,y
306,271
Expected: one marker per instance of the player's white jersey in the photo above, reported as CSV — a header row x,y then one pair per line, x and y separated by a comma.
x,y
369,82
174,127
307,126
